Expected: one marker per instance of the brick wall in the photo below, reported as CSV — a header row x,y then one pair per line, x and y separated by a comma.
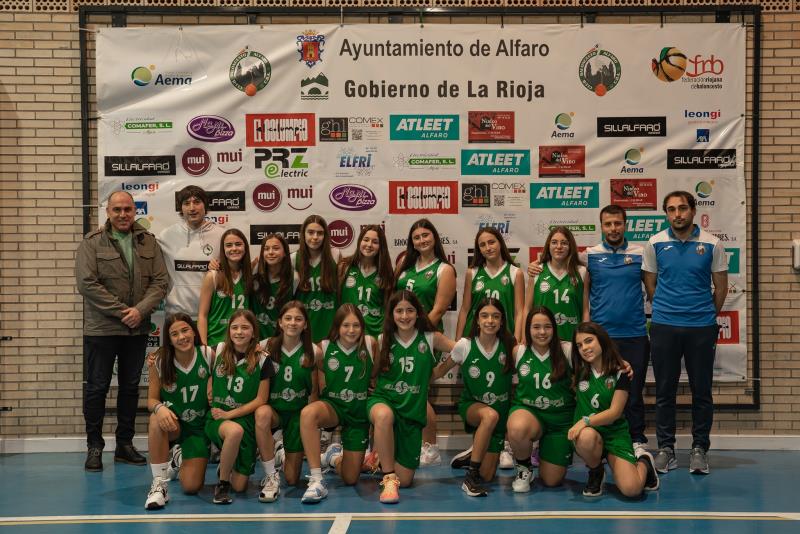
x,y
41,208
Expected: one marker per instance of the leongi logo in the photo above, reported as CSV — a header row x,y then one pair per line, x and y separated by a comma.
x,y
196,161
266,197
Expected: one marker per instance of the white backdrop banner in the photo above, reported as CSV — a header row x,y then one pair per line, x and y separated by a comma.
x,y
519,128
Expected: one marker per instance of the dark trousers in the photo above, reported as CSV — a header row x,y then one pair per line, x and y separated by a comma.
x,y
636,351
99,355
697,346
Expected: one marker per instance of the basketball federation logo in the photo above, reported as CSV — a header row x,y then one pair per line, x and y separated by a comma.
x,y
670,64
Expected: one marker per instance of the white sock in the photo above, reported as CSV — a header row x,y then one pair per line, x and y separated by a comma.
x,y
316,473
159,470
269,466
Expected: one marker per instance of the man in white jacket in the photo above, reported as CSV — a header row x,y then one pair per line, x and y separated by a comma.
x,y
188,246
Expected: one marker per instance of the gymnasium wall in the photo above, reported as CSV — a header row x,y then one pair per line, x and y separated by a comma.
x,y
41,202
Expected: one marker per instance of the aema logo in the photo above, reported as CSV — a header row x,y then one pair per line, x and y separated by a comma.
x,y
643,227
565,195
703,190
423,127
143,76
496,162
563,123
632,158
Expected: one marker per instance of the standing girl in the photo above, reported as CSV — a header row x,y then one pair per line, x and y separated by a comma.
x,y
178,401
225,291
274,282
366,277
427,273
544,404
559,286
344,369
239,385
316,273
293,356
397,408
601,429
487,368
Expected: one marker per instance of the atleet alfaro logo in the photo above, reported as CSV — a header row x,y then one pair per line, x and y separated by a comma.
x,y
631,126
643,227
599,71
724,158
423,127
496,162
140,165
565,195
250,71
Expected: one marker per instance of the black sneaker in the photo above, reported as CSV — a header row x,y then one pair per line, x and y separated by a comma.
x,y
594,486
652,482
94,459
128,454
473,486
222,492
461,460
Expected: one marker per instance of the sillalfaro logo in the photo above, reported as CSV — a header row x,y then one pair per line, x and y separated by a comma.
x,y
724,158
565,195
599,71
495,162
423,127
250,71
643,227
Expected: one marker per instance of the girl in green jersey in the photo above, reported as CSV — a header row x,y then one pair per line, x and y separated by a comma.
x,y
239,385
178,401
487,366
601,429
344,373
425,271
316,274
366,277
397,408
493,273
294,384
227,290
274,282
543,403
559,285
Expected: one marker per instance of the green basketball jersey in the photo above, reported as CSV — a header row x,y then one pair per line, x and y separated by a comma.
x,y
267,314
500,286
484,377
594,395
560,297
222,307
321,306
290,387
347,376
364,292
422,283
187,396
405,384
535,389
232,391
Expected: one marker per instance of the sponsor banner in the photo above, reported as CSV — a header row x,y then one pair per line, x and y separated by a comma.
x,y
290,232
476,195
333,129
490,126
728,322
496,162
562,195
140,165
712,158
643,227
631,126
280,129
423,127
562,161
423,197
634,193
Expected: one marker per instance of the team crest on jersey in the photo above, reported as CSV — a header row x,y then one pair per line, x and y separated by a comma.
x,y
288,395
502,358
401,388
489,398
474,372
504,280
542,402
700,249
524,369
170,388
188,415
428,275
544,287
350,282
628,260
219,371
201,372
583,385
391,358
333,364
479,285
221,294
610,382
347,395
208,250
422,347
315,305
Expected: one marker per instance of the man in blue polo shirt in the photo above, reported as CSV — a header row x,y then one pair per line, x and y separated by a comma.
x,y
613,298
680,263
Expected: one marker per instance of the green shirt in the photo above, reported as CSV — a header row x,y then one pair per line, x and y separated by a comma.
x,y
483,373
365,293
535,388
187,396
222,307
422,282
229,392
347,376
125,242
321,305
594,395
561,297
500,286
291,386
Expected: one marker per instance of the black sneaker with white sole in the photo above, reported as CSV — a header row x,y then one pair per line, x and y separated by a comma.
x,y
222,492
473,485
461,460
594,485
652,482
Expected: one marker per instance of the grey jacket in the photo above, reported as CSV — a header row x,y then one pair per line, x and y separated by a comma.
x,y
101,273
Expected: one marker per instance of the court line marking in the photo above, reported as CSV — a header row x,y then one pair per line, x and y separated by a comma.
x,y
340,524
400,516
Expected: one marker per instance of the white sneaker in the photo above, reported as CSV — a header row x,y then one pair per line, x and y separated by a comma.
x,y
315,492
175,461
522,484
639,448
280,455
333,451
429,455
506,457
271,488
158,497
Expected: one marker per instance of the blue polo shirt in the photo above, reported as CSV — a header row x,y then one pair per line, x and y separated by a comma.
x,y
616,297
683,289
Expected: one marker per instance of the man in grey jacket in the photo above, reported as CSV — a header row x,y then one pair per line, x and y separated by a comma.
x,y
121,274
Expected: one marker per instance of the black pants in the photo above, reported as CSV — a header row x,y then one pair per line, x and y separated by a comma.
x,y
636,351
100,353
697,346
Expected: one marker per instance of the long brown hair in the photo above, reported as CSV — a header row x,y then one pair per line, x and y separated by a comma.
x,y
558,360
572,260
478,259
166,368
422,324
327,267
263,290
225,282
612,361
383,263
411,256
344,310
505,337
275,343
228,354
